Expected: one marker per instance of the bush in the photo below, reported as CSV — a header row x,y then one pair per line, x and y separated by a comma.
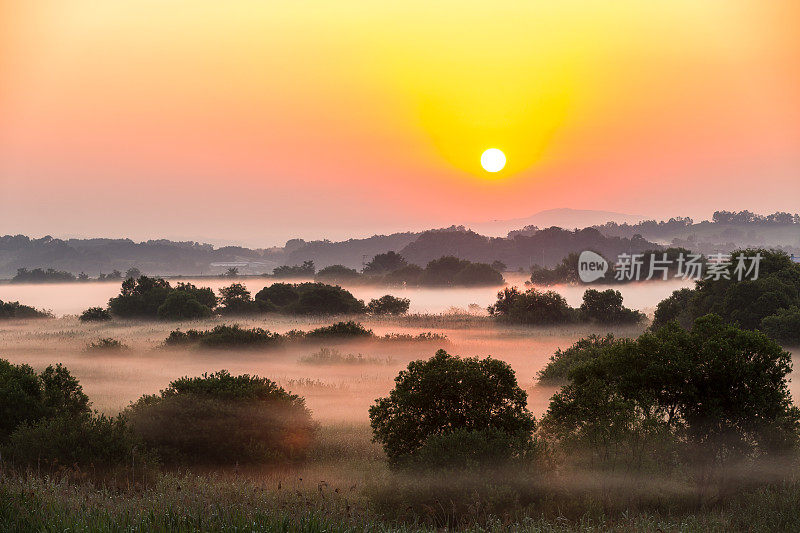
x,y
407,275
337,274
106,345
532,307
306,270
605,307
388,305
181,305
140,297
478,274
463,448
96,441
444,394
17,310
714,393
451,270
95,314
784,326
146,297
278,294
38,275
309,299
27,397
562,362
383,263
220,418
321,299
340,330
235,300
224,336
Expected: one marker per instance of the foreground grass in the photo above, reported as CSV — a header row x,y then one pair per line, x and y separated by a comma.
x,y
198,503
346,486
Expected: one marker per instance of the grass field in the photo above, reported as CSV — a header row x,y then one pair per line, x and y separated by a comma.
x,y
346,484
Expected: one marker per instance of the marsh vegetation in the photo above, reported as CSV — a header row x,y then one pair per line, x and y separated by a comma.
x,y
375,421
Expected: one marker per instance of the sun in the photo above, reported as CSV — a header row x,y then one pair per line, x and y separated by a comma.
x,y
493,160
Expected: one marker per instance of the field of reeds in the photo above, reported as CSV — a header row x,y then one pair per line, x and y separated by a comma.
x,y
345,483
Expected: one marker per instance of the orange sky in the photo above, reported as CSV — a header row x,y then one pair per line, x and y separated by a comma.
x,y
253,121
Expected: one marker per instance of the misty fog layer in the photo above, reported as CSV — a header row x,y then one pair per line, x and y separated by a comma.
x,y
73,298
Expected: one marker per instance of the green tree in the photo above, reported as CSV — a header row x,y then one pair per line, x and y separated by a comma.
x,y
337,274
221,418
384,263
140,297
321,299
715,392
181,305
605,307
278,294
95,314
27,397
235,299
446,394
388,305
532,307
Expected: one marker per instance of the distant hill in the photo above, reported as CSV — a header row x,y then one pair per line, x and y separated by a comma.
x,y
162,257
522,247
545,248
563,218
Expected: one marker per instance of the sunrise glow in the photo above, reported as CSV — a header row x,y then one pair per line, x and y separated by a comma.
x,y
591,102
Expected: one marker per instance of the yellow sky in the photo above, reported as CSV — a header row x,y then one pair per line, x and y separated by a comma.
x,y
374,114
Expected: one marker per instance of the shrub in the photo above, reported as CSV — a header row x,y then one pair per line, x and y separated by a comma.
x,y
140,297
179,338
407,275
224,336
478,274
605,307
463,448
146,297
17,310
383,263
388,305
714,393
309,299
95,314
96,441
784,326
235,300
340,330
38,275
26,397
337,274
532,307
181,305
321,299
306,270
106,345
278,294
220,418
445,393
